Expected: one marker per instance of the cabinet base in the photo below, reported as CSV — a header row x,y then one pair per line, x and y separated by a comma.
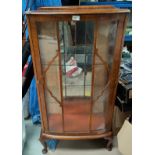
x,y
107,137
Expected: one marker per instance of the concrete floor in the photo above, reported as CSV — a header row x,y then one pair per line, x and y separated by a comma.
x,y
32,145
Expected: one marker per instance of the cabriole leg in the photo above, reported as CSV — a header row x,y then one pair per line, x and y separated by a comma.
x,y
109,144
43,142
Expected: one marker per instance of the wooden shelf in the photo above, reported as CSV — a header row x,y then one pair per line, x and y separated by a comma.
x,y
77,114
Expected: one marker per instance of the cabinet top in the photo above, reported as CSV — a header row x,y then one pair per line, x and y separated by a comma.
x,y
103,9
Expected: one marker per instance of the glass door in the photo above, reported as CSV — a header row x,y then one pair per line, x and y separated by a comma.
x,y
76,48
77,60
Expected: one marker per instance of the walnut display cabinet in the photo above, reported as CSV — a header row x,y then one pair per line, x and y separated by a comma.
x,y
76,55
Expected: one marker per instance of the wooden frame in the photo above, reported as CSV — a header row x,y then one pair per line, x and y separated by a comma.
x,y
94,13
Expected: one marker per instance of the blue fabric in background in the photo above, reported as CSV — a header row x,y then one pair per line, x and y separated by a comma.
x,y
35,4
33,102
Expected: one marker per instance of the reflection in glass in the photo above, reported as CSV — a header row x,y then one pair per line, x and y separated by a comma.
x,y
76,56
48,46
105,44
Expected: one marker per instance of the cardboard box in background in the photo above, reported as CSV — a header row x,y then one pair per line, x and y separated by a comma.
x,y
124,138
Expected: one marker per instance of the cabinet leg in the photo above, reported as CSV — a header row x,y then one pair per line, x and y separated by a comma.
x,y
109,144
44,150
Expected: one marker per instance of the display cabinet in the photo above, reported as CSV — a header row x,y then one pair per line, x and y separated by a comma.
x,y
76,55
